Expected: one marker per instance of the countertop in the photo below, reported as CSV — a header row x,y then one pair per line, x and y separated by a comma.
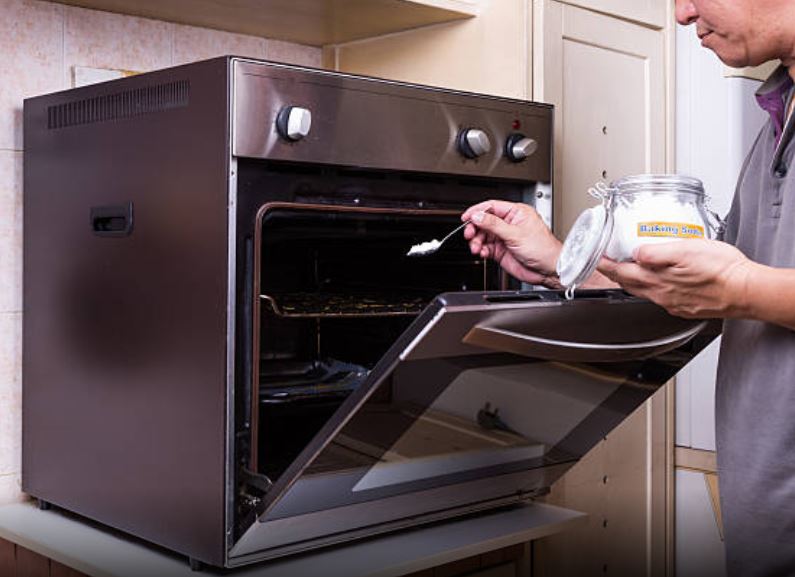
x,y
88,548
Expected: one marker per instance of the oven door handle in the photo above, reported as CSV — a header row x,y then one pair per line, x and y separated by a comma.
x,y
510,341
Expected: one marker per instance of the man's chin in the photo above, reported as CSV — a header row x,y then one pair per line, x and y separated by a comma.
x,y
734,60
739,60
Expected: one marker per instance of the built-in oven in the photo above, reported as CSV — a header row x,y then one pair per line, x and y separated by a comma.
x,y
228,351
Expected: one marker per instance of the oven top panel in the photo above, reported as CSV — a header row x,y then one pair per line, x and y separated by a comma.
x,y
313,116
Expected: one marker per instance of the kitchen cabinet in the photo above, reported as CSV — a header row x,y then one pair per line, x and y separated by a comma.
x,y
607,80
622,485
313,22
489,53
651,12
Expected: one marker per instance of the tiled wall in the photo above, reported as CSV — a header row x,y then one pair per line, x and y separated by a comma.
x,y
40,45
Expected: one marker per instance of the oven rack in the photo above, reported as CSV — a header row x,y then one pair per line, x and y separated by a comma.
x,y
297,381
325,305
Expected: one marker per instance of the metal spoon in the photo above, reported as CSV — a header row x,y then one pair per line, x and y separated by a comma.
x,y
431,246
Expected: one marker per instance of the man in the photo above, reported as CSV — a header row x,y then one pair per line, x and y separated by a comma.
x,y
748,280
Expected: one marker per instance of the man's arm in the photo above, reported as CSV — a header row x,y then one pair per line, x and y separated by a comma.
x,y
707,279
771,295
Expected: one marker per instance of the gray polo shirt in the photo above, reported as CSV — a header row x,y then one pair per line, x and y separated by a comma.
x,y
755,398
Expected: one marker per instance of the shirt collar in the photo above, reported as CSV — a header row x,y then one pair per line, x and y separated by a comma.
x,y
772,96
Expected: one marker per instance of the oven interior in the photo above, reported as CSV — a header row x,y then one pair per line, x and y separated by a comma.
x,y
335,290
325,287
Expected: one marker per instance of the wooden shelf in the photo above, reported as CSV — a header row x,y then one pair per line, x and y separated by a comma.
x,y
312,22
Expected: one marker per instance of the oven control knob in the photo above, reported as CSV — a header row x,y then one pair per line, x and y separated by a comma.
x,y
473,142
519,147
293,122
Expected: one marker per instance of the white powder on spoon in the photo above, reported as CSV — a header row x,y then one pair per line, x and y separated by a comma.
x,y
424,248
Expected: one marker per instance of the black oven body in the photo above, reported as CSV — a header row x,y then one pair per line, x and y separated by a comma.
x,y
227,351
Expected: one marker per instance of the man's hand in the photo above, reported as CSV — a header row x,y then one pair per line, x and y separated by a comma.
x,y
689,278
514,235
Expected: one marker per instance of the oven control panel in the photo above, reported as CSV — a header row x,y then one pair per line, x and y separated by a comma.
x,y
301,115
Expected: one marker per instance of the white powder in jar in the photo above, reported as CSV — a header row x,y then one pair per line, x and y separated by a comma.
x,y
651,218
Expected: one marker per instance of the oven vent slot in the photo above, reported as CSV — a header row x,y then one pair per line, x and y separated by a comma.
x,y
120,105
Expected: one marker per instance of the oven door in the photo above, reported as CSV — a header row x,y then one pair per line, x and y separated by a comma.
x,y
486,398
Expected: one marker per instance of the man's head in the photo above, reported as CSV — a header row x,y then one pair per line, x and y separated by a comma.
x,y
743,32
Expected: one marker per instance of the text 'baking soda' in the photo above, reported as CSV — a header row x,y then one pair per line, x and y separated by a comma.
x,y
670,230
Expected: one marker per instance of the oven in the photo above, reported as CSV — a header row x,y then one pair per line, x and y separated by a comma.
x,y
227,350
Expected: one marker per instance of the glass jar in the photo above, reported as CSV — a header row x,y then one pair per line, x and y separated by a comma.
x,y
635,210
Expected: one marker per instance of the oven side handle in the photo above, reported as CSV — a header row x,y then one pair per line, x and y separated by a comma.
x,y
113,221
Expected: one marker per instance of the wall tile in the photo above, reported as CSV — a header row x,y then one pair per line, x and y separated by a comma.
x,y
11,489
291,53
192,44
10,435
10,392
32,55
10,231
10,357
105,40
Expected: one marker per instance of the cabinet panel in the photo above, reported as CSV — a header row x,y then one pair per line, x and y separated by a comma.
x,y
606,78
488,53
313,22
651,12
58,570
30,564
8,558
621,485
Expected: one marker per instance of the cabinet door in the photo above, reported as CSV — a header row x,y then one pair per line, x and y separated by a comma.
x,y
622,485
606,78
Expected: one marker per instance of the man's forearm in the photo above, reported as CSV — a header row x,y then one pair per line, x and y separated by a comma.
x,y
596,281
769,295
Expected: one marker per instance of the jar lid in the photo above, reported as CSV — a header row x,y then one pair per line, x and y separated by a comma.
x,y
584,246
658,183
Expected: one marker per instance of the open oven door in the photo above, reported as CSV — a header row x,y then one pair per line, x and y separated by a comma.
x,y
487,398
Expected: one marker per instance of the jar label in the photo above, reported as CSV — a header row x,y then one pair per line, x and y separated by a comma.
x,y
670,230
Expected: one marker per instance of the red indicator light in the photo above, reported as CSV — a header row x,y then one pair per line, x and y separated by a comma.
x,y
516,124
